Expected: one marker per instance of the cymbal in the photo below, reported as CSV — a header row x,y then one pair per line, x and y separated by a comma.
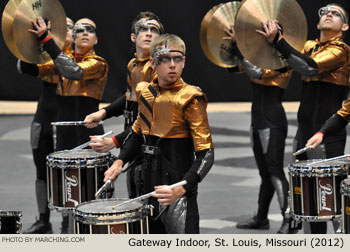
x,y
27,43
213,27
254,46
7,27
203,31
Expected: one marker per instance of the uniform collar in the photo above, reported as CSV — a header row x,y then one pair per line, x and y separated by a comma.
x,y
137,60
329,40
176,85
89,53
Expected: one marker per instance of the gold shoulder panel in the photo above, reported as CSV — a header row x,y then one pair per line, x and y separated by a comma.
x,y
308,46
188,92
345,110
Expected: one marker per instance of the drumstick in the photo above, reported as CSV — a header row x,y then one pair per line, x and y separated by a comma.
x,y
183,182
71,123
330,159
82,146
302,150
102,188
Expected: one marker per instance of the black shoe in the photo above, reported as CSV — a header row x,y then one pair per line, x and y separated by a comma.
x,y
286,229
39,227
254,223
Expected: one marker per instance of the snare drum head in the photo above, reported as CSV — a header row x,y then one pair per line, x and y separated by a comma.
x,y
79,158
78,154
106,206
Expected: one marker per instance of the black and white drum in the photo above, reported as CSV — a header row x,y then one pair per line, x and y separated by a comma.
x,y
315,190
75,176
100,217
345,195
10,222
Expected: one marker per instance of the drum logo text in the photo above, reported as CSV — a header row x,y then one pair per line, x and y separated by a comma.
x,y
70,182
324,191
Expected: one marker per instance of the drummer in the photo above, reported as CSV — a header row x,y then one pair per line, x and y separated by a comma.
x,y
324,66
41,136
269,132
145,27
172,128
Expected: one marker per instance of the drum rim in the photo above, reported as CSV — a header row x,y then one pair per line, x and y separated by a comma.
x,y
76,210
305,163
110,218
319,171
315,217
10,213
101,154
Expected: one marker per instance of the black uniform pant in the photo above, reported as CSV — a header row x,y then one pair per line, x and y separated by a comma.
x,y
42,145
269,154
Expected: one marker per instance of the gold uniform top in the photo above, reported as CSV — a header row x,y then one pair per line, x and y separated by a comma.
x,y
345,110
139,70
174,111
274,78
333,61
94,78
55,79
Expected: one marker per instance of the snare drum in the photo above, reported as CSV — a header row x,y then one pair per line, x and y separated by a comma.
x,y
100,217
345,192
10,222
75,177
315,191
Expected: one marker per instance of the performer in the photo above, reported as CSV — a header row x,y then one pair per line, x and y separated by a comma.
x,y
171,128
324,65
268,135
145,27
83,77
41,137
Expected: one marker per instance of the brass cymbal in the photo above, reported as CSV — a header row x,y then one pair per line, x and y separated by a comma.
x,y
203,31
27,43
254,46
7,27
213,27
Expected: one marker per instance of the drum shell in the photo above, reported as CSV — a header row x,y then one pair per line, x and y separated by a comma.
x,y
72,181
133,221
315,191
10,222
345,192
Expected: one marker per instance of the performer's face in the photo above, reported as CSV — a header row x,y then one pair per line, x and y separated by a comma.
x,y
332,18
145,34
170,68
86,36
69,35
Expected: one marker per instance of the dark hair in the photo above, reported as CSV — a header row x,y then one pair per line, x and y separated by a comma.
x,y
149,15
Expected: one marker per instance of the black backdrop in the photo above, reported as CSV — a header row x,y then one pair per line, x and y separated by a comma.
x,y
181,17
